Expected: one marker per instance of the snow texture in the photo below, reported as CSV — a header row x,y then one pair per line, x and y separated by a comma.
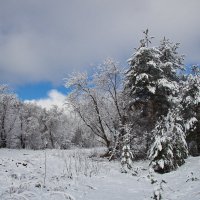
x,y
72,175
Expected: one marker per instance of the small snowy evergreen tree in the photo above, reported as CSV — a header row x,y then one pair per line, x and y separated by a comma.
x,y
191,110
127,155
169,148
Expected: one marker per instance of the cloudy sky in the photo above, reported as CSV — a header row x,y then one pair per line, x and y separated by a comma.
x,y
41,41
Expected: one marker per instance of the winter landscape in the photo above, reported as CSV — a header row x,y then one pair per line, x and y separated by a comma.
x,y
125,127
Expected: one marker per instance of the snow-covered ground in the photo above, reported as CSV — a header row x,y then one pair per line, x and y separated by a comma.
x,y
74,174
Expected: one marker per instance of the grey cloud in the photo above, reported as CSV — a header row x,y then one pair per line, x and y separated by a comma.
x,y
45,40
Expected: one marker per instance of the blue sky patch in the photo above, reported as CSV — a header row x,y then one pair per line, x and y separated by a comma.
x,y
38,90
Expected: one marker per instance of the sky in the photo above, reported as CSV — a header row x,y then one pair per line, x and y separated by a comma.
x,y
41,42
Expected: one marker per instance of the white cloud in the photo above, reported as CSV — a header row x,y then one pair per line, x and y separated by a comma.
x,y
45,40
54,98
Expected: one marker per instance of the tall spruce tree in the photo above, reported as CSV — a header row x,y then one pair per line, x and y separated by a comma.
x,y
151,86
152,79
167,91
152,82
141,79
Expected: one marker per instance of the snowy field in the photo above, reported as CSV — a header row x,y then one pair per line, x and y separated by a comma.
x,y
79,174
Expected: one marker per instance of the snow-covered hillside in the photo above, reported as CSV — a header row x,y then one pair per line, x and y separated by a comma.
x,y
75,174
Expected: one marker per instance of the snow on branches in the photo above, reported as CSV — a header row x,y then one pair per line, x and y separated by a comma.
x,y
169,147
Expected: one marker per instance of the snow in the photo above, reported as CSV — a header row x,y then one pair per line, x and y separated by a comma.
x,y
161,163
165,83
151,62
190,123
151,89
75,175
141,77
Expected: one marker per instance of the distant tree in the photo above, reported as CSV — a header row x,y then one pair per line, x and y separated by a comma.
x,y
26,125
55,124
31,127
9,108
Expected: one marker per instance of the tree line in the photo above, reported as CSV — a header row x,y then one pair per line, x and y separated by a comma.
x,y
26,125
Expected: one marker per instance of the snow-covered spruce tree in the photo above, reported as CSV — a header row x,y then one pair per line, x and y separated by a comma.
x,y
191,110
167,91
127,155
171,60
151,83
169,148
141,79
139,89
151,80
